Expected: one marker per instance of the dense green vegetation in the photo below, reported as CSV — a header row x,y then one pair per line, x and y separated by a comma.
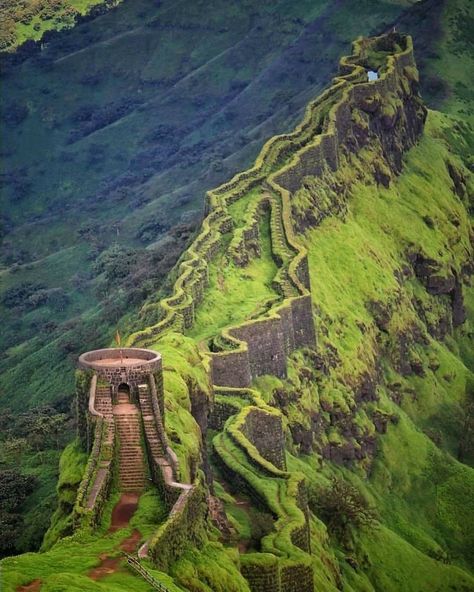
x,y
376,321
420,537
223,303
30,447
23,20
177,107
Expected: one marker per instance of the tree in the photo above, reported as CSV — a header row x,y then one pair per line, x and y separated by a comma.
x,y
342,506
14,489
13,449
43,427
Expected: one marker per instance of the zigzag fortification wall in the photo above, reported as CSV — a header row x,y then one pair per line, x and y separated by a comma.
x,y
252,351
350,114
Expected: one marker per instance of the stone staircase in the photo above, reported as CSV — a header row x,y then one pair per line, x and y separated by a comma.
x,y
149,424
131,459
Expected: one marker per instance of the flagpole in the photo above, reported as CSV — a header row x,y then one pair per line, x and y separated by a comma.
x,y
118,341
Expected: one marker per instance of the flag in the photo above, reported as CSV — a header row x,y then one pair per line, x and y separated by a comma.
x,y
118,339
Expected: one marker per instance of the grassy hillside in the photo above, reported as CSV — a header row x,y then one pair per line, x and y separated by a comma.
x,y
113,133
105,236
422,493
25,20
380,402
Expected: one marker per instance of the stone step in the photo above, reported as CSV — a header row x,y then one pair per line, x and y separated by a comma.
x,y
133,479
128,484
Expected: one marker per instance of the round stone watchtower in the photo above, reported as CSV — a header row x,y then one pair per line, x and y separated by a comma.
x,y
120,417
123,367
109,377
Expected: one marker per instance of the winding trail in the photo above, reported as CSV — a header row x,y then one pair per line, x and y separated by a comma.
x,y
34,586
121,516
124,510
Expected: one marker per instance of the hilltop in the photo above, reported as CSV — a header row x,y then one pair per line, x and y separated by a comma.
x,y
23,23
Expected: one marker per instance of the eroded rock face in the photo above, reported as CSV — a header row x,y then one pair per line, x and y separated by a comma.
x,y
457,303
459,182
302,437
439,282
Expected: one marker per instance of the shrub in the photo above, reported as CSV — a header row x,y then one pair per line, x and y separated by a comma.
x,y
342,506
261,525
20,294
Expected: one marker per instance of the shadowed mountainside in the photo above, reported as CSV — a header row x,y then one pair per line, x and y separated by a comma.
x,y
376,402
112,135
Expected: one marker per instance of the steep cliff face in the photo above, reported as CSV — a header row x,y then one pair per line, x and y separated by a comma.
x,y
383,399
384,118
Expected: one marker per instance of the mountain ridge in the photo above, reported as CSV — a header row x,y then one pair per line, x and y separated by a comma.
x,y
330,420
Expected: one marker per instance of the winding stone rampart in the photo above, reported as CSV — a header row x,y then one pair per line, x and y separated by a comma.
x,y
284,551
265,431
339,123
316,144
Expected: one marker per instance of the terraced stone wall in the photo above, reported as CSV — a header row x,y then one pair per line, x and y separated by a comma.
x,y
183,528
221,411
284,552
264,576
95,485
397,127
268,342
265,432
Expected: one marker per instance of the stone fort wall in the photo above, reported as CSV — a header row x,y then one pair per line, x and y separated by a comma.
x,y
261,346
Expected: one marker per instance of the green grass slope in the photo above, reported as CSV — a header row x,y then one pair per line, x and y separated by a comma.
x,y
163,102
377,325
421,491
25,21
